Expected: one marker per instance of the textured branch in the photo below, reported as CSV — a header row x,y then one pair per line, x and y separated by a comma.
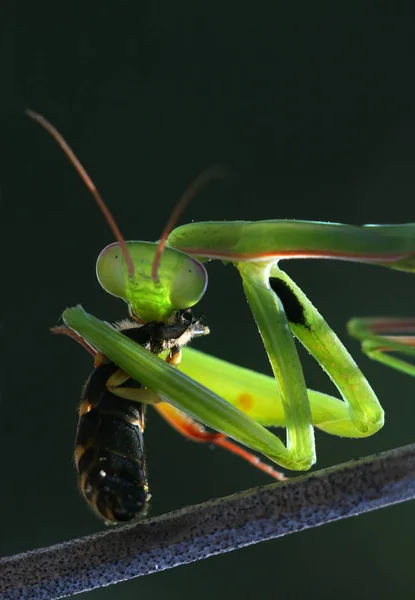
x,y
214,527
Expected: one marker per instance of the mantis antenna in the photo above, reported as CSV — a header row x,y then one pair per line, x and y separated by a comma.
x,y
190,193
88,182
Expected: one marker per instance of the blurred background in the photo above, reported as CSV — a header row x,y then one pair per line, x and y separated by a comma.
x,y
313,107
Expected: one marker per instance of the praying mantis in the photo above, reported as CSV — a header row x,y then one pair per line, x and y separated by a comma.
x,y
160,280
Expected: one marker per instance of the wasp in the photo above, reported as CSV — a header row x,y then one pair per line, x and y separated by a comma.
x,y
109,445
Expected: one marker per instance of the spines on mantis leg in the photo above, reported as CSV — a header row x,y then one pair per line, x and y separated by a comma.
x,y
237,241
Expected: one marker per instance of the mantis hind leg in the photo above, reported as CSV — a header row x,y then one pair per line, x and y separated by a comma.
x,y
192,430
382,335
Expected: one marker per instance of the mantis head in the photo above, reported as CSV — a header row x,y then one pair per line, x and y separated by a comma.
x,y
180,284
154,280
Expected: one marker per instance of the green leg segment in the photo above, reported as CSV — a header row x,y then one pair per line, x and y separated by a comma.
x,y
258,396
364,411
273,326
369,330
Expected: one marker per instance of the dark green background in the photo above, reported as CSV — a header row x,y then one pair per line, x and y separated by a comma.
x,y
313,106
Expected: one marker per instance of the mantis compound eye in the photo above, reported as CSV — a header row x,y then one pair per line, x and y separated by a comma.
x,y
111,271
189,284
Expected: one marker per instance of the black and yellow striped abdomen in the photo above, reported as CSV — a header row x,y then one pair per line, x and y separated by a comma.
x,y
109,452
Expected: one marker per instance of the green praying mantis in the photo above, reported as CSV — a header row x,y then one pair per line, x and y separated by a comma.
x,y
158,280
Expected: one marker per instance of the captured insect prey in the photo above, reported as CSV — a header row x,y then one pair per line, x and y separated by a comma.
x,y
109,448
161,282
109,452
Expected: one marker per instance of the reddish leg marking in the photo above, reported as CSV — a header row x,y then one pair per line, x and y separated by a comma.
x,y
391,325
197,433
63,330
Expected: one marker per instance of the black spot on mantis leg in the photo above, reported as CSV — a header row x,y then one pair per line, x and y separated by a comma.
x,y
293,308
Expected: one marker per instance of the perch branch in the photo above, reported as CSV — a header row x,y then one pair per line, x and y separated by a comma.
x,y
217,526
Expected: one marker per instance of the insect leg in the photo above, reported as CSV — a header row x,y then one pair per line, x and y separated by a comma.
x,y
192,430
133,391
364,411
63,330
273,325
376,341
175,356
